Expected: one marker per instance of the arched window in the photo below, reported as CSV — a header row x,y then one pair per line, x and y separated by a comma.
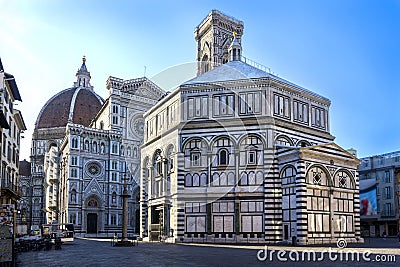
x,y
303,143
157,181
203,179
215,179
170,159
188,180
205,63
222,149
193,152
252,178
102,148
283,141
74,143
157,164
223,157
23,188
122,151
196,179
288,175
114,198
114,148
129,151
95,147
87,145
343,180
101,125
317,176
73,196
244,178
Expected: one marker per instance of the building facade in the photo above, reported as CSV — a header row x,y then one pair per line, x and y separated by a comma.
x,y
25,202
96,161
84,149
239,155
77,104
379,191
11,127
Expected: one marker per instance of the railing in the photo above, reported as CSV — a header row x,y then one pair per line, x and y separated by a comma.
x,y
255,64
247,61
6,184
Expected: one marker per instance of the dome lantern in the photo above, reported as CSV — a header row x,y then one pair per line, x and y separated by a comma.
x,y
235,49
83,76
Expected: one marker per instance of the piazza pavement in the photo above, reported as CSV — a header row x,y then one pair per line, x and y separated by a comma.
x,y
100,252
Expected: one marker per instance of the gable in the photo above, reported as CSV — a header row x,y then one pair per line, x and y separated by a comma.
x,y
330,149
93,188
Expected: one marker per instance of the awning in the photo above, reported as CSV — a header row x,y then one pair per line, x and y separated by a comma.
x,y
13,86
3,121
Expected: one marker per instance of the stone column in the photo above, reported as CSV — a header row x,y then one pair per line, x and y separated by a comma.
x,y
125,197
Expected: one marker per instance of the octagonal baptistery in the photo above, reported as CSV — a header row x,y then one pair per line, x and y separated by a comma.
x,y
78,104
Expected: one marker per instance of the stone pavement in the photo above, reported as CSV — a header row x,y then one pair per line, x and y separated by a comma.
x,y
96,252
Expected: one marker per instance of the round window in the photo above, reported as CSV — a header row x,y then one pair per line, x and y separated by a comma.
x,y
93,168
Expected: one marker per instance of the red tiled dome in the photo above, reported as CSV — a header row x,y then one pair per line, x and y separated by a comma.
x,y
56,112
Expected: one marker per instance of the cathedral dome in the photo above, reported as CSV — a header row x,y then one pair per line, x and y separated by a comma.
x,y
78,104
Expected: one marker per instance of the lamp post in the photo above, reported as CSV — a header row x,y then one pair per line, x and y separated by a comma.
x,y
124,241
125,196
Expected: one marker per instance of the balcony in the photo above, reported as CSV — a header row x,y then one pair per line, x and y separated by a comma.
x,y
10,189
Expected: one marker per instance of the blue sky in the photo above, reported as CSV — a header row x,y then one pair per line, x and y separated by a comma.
x,y
348,51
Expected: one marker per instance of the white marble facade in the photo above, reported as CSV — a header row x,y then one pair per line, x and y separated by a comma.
x,y
97,160
240,155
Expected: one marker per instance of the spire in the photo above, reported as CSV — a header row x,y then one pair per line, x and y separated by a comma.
x,y
83,76
235,49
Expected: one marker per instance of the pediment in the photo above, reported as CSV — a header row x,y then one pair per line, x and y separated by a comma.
x,y
326,152
329,149
93,188
146,93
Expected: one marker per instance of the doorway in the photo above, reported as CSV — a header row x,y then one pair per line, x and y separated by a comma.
x,y
285,232
137,221
91,223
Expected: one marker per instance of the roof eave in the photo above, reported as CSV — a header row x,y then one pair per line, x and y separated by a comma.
x,y
10,80
20,120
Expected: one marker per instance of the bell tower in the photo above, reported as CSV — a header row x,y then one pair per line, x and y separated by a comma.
x,y
214,35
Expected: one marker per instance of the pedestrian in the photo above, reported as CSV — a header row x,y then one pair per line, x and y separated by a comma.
x,y
384,234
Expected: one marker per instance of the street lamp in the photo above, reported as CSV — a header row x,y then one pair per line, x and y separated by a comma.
x,y
124,241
